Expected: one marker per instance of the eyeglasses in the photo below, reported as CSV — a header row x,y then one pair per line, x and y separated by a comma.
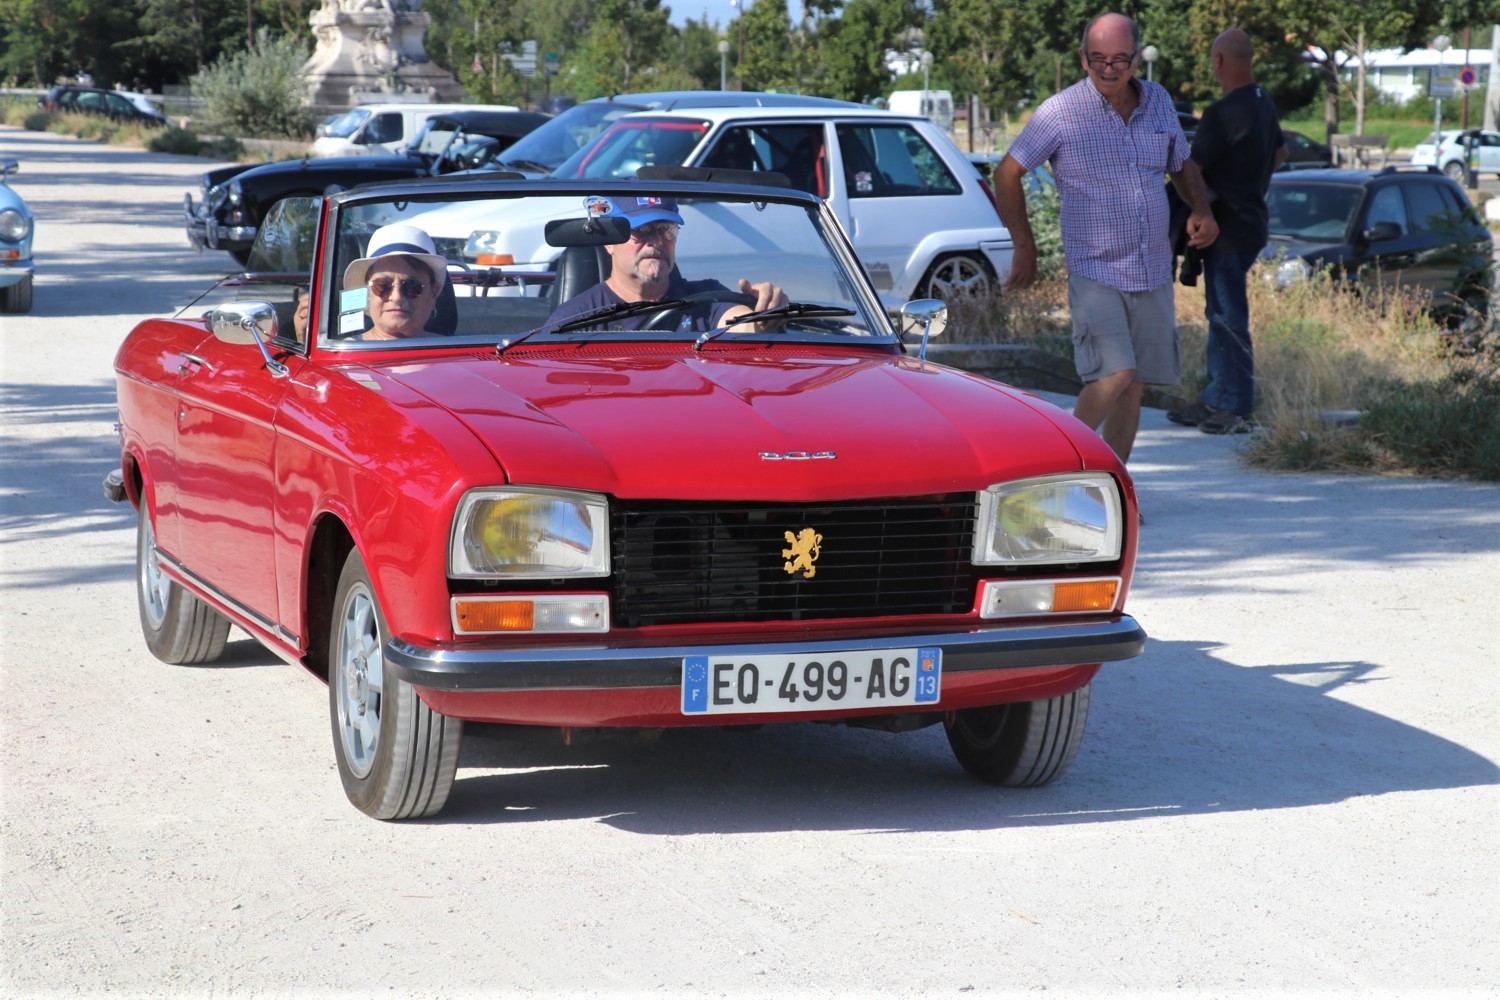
x,y
410,287
1118,64
664,231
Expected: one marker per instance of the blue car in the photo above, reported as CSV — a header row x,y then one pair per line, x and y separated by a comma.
x,y
16,228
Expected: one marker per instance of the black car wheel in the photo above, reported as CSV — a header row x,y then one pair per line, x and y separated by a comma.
x,y
178,627
1456,172
397,758
16,298
1025,744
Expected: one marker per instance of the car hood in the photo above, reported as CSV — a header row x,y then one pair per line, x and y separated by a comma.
x,y
1281,246
341,164
755,424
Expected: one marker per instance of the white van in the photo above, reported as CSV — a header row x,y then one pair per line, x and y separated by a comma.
x,y
936,105
385,128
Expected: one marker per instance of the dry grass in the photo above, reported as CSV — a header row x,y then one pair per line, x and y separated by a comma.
x,y
1343,382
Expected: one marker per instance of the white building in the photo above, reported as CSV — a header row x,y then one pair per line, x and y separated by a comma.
x,y
1404,75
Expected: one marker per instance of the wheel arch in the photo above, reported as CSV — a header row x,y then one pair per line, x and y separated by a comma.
x,y
328,547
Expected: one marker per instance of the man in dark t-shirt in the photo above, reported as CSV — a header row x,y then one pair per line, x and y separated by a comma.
x,y
643,269
1238,145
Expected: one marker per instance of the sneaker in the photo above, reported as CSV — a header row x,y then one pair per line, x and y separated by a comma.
x,y
1190,415
1226,422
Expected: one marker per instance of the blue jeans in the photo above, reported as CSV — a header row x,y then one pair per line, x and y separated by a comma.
x,y
1231,358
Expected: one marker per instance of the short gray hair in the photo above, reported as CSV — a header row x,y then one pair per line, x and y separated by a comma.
x,y
1135,30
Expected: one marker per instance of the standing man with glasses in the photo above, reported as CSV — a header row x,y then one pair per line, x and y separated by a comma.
x,y
1238,145
643,269
1110,139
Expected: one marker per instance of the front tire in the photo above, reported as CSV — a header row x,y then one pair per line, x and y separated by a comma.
x,y
397,758
16,298
957,278
178,627
1026,744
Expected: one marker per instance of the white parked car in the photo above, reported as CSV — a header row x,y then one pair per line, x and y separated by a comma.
x,y
1448,155
922,220
923,223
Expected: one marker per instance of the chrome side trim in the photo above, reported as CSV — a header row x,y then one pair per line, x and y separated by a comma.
x,y
241,614
603,667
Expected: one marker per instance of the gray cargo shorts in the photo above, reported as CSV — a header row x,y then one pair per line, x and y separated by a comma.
x,y
1115,331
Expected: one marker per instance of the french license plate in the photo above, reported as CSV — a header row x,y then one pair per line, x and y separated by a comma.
x,y
811,682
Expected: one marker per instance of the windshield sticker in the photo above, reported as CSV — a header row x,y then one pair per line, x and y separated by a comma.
x,y
352,302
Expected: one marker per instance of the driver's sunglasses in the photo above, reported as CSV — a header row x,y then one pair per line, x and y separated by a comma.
x,y
1118,64
664,231
410,287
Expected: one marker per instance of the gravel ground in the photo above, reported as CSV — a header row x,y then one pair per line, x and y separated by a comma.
x,y
1293,790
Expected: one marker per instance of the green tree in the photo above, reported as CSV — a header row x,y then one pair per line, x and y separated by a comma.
x,y
849,45
257,92
42,41
768,63
984,47
622,48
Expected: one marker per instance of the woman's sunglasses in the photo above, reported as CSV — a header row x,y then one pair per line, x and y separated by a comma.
x,y
410,287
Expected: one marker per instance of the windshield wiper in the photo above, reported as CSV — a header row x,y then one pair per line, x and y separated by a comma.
x,y
620,310
806,309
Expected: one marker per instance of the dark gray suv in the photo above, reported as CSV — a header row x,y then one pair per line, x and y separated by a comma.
x,y
1408,226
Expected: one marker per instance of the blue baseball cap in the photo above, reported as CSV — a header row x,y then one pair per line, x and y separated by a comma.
x,y
641,209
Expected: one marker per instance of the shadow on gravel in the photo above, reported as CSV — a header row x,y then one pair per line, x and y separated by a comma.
x,y
1179,734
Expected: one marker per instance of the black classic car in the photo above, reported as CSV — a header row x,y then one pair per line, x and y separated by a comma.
x,y
233,200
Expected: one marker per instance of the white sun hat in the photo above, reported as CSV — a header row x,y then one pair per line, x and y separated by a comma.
x,y
398,239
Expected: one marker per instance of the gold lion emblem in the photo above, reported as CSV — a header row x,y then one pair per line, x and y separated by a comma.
x,y
805,546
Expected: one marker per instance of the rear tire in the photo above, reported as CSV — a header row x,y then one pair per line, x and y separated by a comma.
x,y
1456,172
956,278
16,298
178,627
397,758
1025,744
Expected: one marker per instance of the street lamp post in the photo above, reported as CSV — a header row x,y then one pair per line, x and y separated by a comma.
x,y
1148,56
723,64
1440,43
926,71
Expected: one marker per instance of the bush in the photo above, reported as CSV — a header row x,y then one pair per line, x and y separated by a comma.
x,y
256,93
185,143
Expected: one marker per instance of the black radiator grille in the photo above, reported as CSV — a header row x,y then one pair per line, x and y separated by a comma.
x,y
714,562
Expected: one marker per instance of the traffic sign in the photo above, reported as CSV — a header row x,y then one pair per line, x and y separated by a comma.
x,y
1467,76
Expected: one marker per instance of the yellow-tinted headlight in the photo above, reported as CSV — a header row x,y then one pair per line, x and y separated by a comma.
x,y
529,534
1051,519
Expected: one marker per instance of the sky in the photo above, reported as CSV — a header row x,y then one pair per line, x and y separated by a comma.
x,y
719,12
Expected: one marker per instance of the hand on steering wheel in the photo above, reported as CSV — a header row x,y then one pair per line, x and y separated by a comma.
x,y
663,319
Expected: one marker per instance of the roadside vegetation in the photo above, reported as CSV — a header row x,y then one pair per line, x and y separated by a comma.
x,y
1345,383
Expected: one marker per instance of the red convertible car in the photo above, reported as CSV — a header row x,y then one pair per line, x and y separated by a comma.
x,y
693,475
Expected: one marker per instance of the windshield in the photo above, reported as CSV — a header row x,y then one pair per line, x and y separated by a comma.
x,y
1316,212
513,259
344,125
548,145
634,143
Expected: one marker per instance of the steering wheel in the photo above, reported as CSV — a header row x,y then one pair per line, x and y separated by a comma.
x,y
659,319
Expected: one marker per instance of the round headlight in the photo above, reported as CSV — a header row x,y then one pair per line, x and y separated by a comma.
x,y
1291,271
14,225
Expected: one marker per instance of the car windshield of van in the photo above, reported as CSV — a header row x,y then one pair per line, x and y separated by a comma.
x,y
344,125
1320,213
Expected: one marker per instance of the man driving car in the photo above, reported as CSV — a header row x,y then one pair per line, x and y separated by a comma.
x,y
643,269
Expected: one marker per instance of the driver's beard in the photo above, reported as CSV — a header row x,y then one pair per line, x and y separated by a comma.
x,y
642,273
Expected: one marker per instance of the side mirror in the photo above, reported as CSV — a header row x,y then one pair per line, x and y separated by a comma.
x,y
247,323
1381,231
928,315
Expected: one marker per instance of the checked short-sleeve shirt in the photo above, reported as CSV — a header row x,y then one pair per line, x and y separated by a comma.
x,y
1111,175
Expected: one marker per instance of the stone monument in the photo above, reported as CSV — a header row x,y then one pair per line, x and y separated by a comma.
x,y
370,50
